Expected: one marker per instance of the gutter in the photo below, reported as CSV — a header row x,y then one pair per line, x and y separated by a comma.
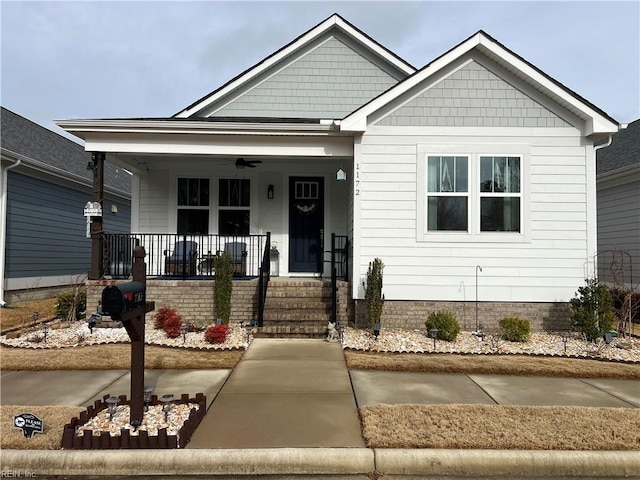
x,y
3,224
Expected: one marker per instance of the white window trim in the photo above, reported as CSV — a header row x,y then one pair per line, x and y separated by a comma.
x,y
473,152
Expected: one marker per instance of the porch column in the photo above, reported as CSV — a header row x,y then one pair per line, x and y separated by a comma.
x,y
97,267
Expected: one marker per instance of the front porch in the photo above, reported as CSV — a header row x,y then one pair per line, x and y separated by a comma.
x,y
181,275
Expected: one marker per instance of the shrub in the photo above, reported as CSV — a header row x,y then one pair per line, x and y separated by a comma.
x,y
446,323
216,333
515,329
71,304
224,286
592,310
373,294
162,314
172,326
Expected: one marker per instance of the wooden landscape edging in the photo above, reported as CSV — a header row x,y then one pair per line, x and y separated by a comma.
x,y
104,441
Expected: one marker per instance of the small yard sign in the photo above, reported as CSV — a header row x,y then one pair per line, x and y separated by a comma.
x,y
29,424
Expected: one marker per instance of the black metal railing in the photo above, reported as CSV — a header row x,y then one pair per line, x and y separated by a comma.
x,y
339,269
183,256
263,281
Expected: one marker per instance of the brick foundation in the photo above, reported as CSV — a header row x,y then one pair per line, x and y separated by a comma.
x,y
413,314
194,301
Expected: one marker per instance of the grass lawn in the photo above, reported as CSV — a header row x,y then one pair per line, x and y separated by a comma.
x,y
20,314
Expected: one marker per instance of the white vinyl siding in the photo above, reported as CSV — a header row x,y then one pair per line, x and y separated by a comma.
x,y
546,264
153,203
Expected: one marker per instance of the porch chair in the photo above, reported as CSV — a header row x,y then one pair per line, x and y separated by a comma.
x,y
182,260
238,251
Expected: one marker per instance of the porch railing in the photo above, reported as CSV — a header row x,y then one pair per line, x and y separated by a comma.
x,y
183,256
339,269
263,281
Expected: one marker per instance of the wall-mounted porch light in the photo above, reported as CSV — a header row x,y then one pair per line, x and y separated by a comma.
x,y
270,192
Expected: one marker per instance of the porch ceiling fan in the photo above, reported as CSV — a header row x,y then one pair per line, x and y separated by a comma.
x,y
242,163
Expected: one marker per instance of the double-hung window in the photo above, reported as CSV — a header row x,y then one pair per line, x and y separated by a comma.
x,y
466,195
193,205
235,202
448,193
500,194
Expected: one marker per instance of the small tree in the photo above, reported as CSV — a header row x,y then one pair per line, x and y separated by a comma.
x,y
373,294
224,286
592,310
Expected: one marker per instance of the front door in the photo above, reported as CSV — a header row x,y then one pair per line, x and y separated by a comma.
x,y
306,224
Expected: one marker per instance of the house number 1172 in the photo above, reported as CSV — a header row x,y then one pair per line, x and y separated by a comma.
x,y
357,188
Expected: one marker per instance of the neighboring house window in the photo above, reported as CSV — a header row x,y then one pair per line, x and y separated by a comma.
x,y
448,197
500,194
193,205
234,202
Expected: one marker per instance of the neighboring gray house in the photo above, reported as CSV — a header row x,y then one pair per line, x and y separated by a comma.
x,y
44,186
618,184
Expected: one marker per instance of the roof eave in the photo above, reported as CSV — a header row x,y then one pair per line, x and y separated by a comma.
x,y
80,127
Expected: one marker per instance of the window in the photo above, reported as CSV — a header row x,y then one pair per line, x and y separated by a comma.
x,y
448,202
473,192
500,194
193,205
234,201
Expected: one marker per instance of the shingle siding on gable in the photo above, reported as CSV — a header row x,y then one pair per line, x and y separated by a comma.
x,y
473,97
330,81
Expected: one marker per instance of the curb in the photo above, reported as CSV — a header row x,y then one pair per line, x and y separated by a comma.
x,y
327,461
509,463
294,461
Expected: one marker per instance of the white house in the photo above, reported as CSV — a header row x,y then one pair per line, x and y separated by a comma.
x,y
472,178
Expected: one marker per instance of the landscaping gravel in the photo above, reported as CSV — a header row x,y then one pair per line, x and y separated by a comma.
x,y
71,334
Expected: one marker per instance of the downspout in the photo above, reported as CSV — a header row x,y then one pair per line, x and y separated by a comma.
x,y
3,225
595,166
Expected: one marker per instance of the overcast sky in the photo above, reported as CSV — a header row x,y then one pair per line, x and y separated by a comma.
x,y
63,60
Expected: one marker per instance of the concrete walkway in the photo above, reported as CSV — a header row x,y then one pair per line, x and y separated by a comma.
x,y
284,394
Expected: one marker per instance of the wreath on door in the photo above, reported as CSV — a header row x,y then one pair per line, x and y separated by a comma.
x,y
306,208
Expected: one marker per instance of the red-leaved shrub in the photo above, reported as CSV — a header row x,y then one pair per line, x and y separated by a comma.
x,y
162,314
172,326
216,333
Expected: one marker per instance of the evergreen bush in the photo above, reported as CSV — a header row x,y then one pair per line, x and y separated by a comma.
x,y
515,329
373,293
446,323
592,310
224,286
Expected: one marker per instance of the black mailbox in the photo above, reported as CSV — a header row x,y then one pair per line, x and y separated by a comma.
x,y
123,297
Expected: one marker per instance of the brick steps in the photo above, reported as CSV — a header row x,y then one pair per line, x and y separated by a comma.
x,y
297,309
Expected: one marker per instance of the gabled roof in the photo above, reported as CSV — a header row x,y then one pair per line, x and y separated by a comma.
x,y
597,121
336,22
623,152
45,149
